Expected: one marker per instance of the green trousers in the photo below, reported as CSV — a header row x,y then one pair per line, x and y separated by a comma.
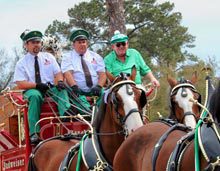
x,y
35,100
86,104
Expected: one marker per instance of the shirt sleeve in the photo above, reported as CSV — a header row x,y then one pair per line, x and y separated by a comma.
x,y
144,68
66,64
19,74
108,63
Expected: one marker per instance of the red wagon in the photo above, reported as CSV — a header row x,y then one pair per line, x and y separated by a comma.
x,y
15,146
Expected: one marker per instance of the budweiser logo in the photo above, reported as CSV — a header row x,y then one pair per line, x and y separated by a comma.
x,y
13,163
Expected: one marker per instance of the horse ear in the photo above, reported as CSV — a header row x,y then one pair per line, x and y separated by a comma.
x,y
110,76
172,82
194,78
133,73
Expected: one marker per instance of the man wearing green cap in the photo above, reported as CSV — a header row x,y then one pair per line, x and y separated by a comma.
x,y
35,74
83,69
122,59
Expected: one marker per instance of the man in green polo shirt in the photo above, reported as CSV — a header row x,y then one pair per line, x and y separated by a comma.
x,y
122,59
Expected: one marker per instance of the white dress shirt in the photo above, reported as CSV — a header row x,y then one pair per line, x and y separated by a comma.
x,y
25,71
72,62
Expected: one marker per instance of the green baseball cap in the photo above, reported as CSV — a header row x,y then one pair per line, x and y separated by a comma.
x,y
31,35
79,34
118,37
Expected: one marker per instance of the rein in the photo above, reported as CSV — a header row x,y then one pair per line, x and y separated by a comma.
x,y
206,114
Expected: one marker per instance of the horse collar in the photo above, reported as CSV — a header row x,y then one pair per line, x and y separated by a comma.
x,y
209,144
93,156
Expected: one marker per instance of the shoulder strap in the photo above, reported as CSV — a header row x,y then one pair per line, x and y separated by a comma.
x,y
181,145
163,138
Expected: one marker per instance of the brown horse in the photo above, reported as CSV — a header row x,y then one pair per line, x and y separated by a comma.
x,y
181,108
140,150
118,116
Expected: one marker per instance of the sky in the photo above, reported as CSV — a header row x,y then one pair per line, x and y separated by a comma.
x,y
202,17
18,15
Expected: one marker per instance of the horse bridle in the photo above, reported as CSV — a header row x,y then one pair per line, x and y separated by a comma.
x,y
113,91
184,94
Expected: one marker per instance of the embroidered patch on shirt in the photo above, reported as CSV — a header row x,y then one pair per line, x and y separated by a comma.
x,y
94,61
47,62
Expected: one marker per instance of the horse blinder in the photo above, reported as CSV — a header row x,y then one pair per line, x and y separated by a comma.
x,y
143,99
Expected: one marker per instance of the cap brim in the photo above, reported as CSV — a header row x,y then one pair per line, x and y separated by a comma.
x,y
80,37
34,39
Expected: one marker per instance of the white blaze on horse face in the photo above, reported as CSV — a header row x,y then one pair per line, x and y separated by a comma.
x,y
187,106
133,121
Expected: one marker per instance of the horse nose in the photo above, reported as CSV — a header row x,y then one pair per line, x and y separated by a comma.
x,y
190,119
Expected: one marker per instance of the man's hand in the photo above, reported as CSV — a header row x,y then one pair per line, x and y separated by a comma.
x,y
42,87
60,85
155,83
75,90
96,91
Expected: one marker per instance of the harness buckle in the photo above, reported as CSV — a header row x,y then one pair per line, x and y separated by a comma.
x,y
216,163
100,165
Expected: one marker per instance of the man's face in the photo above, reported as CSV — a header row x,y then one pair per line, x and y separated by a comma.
x,y
33,46
120,48
80,46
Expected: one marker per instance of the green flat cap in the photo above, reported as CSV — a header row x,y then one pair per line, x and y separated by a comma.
x,y
118,37
79,34
31,35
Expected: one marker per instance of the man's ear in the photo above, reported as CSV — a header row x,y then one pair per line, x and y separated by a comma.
x,y
113,46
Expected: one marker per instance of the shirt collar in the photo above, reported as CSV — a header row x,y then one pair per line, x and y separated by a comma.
x,y
85,54
127,54
30,55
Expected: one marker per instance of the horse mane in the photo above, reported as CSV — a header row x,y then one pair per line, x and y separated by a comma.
x,y
214,106
99,115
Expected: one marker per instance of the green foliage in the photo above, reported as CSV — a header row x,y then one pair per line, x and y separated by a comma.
x,y
157,32
153,29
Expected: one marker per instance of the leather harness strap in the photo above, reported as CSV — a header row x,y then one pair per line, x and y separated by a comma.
x,y
162,139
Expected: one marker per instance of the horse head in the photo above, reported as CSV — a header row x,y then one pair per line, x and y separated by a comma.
x,y
182,109
126,101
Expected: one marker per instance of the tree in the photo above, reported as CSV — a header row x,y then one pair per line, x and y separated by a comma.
x,y
115,12
154,29
6,65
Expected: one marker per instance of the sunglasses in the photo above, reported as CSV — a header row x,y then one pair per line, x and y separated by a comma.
x,y
120,43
